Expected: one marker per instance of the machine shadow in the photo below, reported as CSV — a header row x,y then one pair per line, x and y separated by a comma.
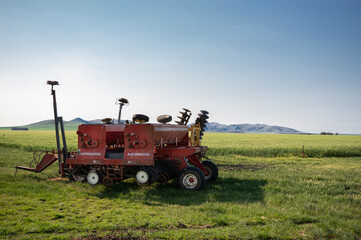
x,y
224,190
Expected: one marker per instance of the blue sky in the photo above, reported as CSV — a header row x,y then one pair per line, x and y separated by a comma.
x,y
288,63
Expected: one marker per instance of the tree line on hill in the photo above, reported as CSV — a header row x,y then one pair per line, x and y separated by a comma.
x,y
19,129
328,133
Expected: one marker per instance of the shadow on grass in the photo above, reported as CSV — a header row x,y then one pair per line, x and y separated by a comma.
x,y
224,190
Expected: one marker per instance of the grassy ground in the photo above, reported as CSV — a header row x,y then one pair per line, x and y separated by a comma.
x,y
254,198
46,125
220,144
284,145
35,140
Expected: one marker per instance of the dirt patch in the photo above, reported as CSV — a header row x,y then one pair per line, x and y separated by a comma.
x,y
58,179
203,226
110,237
251,167
181,226
114,235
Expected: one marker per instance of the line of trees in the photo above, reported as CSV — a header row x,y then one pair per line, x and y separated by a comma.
x,y
19,128
328,133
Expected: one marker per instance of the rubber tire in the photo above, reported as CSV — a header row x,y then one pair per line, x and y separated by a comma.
x,y
140,117
209,165
164,119
201,181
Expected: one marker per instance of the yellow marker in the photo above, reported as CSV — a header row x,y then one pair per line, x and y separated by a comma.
x,y
194,131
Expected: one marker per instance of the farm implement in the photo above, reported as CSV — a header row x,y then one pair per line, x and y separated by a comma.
x,y
149,152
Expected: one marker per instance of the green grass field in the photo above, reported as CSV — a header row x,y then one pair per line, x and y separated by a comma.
x,y
220,144
265,190
283,145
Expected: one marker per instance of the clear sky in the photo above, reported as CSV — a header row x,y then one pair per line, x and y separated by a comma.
x,y
289,63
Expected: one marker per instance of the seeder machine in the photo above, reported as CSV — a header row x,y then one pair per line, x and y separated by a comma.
x,y
148,152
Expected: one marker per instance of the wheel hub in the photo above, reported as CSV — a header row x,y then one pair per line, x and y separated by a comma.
x,y
142,177
190,180
93,178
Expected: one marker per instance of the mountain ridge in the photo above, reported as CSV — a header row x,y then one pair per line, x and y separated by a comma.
x,y
250,128
211,127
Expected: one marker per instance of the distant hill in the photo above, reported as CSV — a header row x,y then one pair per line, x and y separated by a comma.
x,y
211,127
49,124
249,128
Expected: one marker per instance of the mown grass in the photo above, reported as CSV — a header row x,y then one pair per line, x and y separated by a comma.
x,y
47,125
282,145
220,144
35,140
254,198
